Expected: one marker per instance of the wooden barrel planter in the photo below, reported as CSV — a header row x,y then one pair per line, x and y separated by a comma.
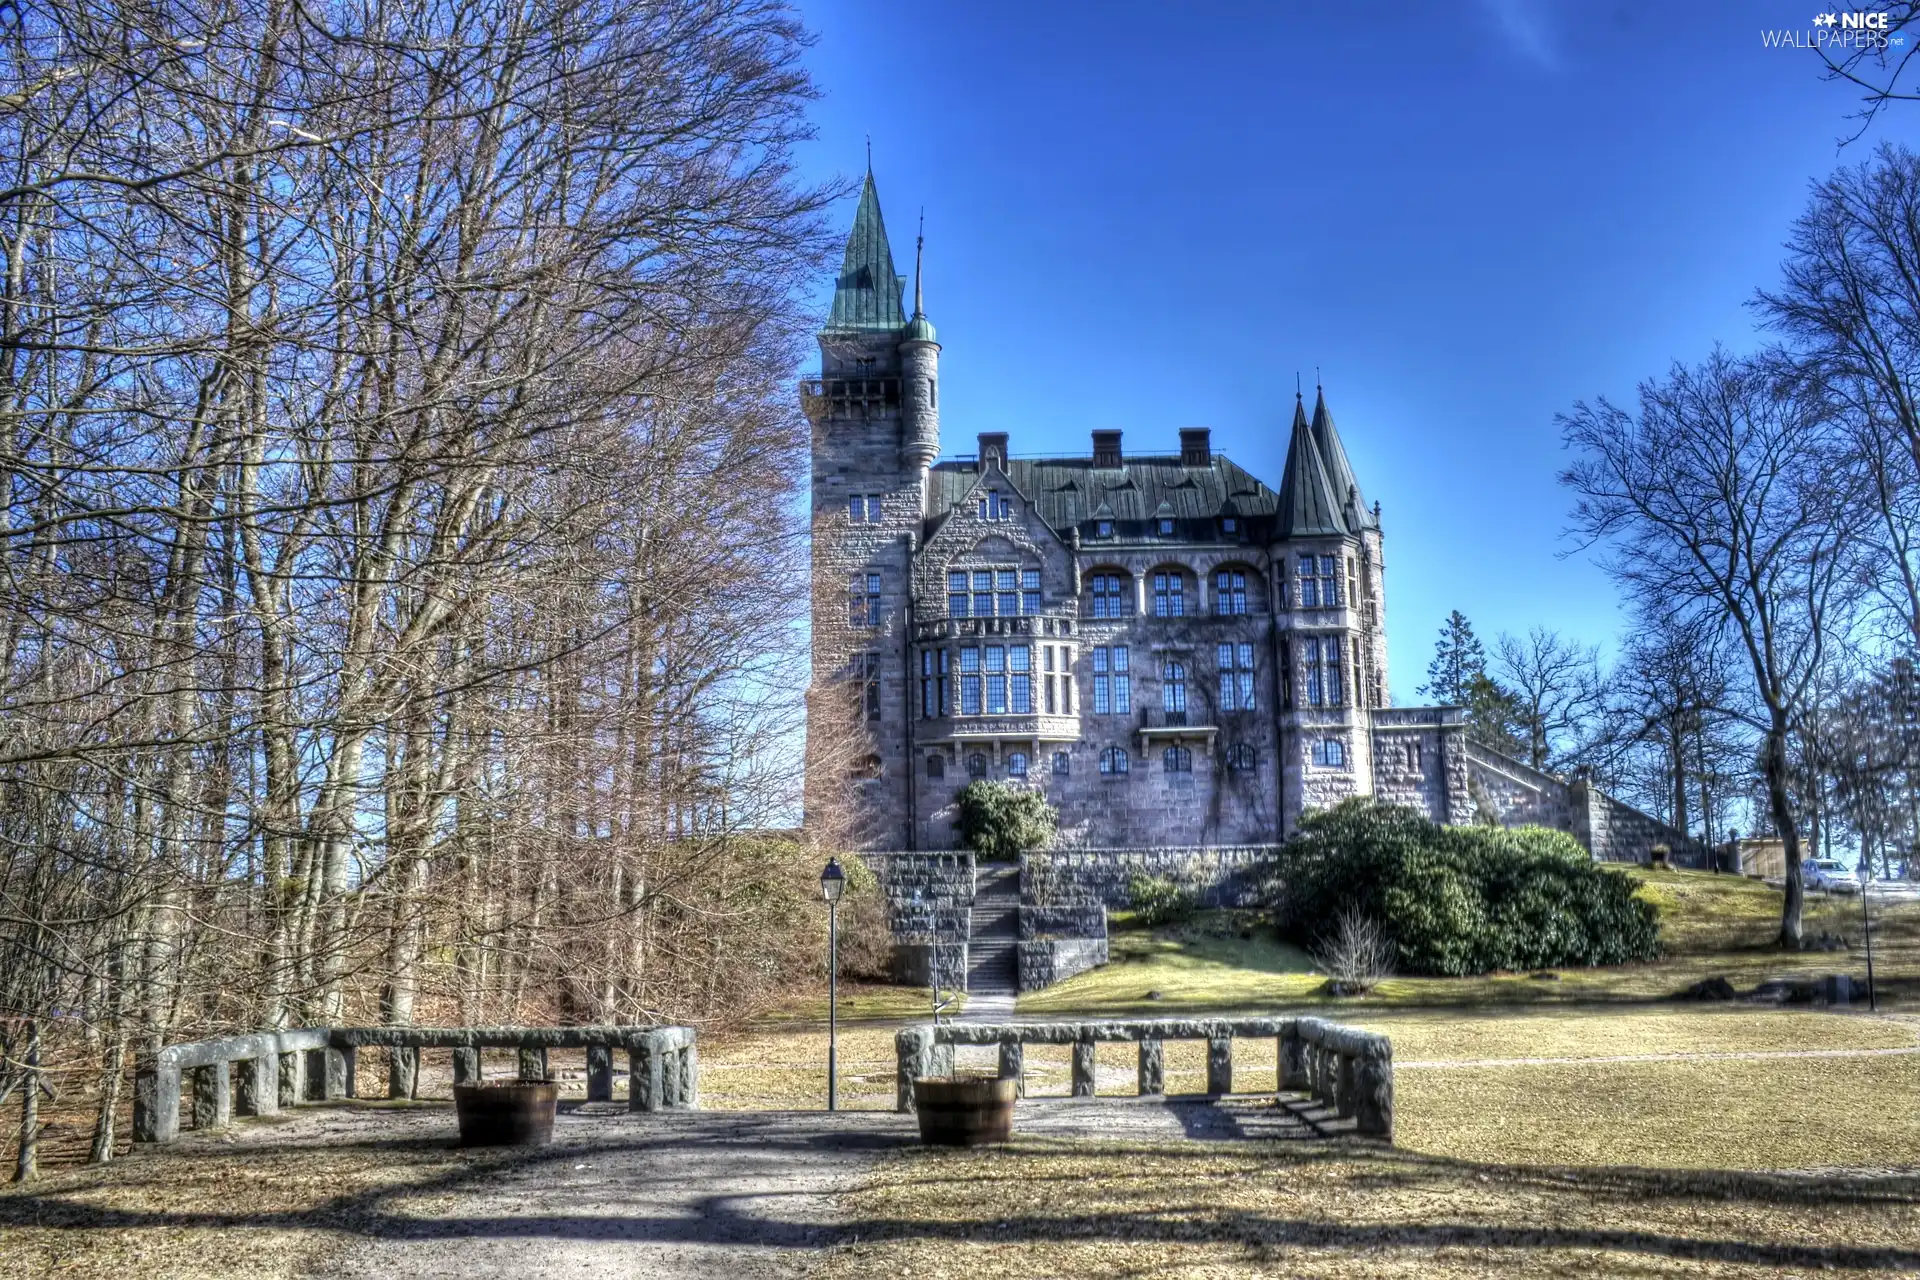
x,y
506,1113
964,1111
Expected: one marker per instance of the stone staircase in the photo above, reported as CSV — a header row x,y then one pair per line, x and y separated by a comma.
x,y
993,961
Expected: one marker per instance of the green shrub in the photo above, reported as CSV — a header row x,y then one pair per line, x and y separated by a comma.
x,y
1157,900
1001,820
1458,900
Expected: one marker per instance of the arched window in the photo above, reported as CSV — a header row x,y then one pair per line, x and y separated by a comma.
x,y
936,765
1169,594
1016,764
1176,760
1062,762
1241,757
1230,592
1114,760
976,765
1173,689
1111,596
1330,753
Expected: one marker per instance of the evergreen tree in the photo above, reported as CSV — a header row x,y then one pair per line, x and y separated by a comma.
x,y
1458,659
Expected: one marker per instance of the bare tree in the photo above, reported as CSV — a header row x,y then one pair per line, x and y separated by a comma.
x,y
1556,688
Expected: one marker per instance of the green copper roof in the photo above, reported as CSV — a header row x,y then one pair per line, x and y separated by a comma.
x,y
1307,502
1072,491
1333,455
866,297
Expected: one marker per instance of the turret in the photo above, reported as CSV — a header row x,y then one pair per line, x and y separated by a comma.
x,y
920,375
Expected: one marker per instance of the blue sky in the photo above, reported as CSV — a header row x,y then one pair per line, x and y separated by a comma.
x,y
1149,216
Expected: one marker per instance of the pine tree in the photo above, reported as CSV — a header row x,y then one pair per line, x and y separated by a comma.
x,y
1458,660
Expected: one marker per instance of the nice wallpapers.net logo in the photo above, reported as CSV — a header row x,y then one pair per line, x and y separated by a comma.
x,y
1842,32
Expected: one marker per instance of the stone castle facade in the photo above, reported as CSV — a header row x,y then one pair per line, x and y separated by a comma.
x,y
1172,651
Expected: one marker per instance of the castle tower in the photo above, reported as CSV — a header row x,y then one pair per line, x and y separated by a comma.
x,y
875,416
1326,562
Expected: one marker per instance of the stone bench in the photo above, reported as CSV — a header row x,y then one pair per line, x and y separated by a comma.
x,y
1345,1068
285,1068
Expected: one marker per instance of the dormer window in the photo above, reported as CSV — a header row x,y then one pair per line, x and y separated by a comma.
x,y
1166,528
1103,528
1229,525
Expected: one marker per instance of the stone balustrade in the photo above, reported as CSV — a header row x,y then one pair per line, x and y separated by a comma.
x,y
1345,1068
259,1074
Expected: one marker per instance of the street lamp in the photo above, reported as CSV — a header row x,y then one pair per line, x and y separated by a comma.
x,y
833,883
1865,873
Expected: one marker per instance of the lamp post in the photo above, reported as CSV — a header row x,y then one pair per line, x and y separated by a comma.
x,y
833,883
1865,873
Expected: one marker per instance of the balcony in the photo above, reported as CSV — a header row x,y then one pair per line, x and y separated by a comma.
x,y
849,397
1007,728
1048,622
1155,722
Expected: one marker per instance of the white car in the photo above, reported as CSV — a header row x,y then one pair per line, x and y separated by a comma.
x,y
1828,874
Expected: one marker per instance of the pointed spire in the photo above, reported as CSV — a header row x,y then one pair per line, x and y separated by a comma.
x,y
1308,502
1333,455
919,329
866,296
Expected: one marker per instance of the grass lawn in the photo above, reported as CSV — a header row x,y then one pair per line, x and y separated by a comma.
x,y
1738,1166
1710,925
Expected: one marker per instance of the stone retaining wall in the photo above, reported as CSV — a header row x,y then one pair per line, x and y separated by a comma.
x,y
1218,876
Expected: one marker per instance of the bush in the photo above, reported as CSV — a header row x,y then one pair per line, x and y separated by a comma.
x,y
1458,900
1157,900
1357,954
1000,820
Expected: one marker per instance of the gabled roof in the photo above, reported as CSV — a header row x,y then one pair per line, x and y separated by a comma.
x,y
1307,503
1068,492
1333,456
866,295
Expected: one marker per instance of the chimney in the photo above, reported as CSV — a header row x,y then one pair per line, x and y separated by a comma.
x,y
993,449
1106,448
1195,447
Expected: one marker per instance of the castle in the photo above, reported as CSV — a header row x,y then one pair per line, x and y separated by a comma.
x,y
1173,652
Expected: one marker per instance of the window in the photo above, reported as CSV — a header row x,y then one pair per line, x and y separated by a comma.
x,y
1413,754
983,593
957,594
1007,581
1323,672
1229,525
1005,509
1309,585
936,765
1173,691
996,665
1169,596
1352,594
1230,592
1166,528
1062,762
1020,669
1176,760
996,506
1103,528
1109,596
1030,591
866,672
1329,584
1111,691
1046,653
1236,677
1241,758
863,508
969,682
1114,760
863,600
1016,764
933,684
1330,753
976,765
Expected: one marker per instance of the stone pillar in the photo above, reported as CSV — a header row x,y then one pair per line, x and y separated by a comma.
x,y
1343,1084
341,1066
156,1103
942,1060
689,1092
257,1092
1219,1064
913,1053
1373,1097
293,1078
212,1097
644,1083
533,1062
1013,1065
599,1073
1083,1068
400,1060
466,1066
1293,1062
1153,1071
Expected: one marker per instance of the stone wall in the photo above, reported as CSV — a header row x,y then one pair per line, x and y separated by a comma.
x,y
1219,876
1517,795
928,895
1618,832
1419,760
1044,962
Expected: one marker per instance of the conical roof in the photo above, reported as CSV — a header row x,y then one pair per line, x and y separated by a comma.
x,y
866,296
1307,498
1333,455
